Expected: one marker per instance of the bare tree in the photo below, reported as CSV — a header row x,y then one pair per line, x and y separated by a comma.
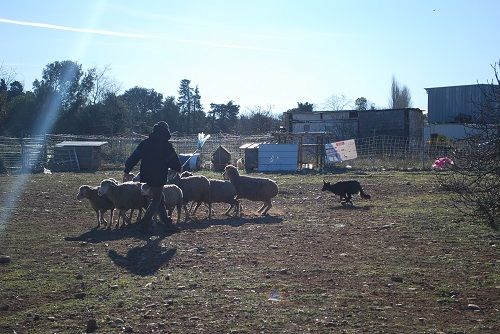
x,y
7,74
474,179
338,102
103,85
400,96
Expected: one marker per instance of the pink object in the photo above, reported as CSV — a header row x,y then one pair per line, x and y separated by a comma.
x,y
442,163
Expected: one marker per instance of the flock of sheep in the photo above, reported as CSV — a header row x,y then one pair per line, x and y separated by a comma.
x,y
182,189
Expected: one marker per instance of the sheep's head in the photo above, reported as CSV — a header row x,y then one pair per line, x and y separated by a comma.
x,y
230,172
173,177
113,180
83,192
145,188
105,186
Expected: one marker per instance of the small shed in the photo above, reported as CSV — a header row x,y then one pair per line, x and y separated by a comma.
x,y
278,157
77,156
250,156
220,158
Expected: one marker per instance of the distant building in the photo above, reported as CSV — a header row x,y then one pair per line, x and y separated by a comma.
x,y
351,124
451,108
454,104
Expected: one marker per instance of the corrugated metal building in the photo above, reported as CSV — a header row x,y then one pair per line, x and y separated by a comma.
x,y
454,104
349,124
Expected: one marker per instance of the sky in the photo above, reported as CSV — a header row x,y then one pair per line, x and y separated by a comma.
x,y
259,53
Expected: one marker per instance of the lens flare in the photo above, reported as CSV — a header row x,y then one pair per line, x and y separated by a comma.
x,y
50,113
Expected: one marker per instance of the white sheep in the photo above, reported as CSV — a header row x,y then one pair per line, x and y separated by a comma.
x,y
257,189
173,198
194,189
100,204
136,178
221,191
125,196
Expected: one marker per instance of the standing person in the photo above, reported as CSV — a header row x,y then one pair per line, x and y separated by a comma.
x,y
157,155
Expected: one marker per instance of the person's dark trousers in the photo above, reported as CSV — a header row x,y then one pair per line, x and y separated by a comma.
x,y
157,205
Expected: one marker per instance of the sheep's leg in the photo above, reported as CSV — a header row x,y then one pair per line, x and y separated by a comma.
x,y
186,213
139,216
237,208
269,204
191,209
120,215
129,219
213,211
101,218
98,218
196,208
240,207
123,215
262,207
179,208
229,210
111,217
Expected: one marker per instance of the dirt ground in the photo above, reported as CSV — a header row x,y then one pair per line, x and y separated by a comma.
x,y
402,262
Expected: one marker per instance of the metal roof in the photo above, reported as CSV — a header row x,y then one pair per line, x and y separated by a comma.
x,y
81,143
250,145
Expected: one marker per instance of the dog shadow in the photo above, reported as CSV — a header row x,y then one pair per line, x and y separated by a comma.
x,y
144,260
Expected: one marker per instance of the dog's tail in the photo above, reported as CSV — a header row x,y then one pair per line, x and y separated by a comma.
x,y
363,194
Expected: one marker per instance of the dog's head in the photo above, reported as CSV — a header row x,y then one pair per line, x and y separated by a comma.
x,y
326,185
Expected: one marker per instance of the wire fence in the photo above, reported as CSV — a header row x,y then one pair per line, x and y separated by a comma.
x,y
22,153
377,152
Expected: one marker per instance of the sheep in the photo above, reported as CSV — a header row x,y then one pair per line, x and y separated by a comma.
x,y
136,178
221,191
252,188
173,198
100,204
125,196
194,189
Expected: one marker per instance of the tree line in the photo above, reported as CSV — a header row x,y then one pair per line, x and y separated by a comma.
x,y
89,103
399,98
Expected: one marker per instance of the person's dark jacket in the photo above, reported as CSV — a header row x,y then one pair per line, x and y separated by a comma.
x,y
157,155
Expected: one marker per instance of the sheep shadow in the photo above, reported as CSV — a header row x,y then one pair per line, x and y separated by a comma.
x,y
97,235
144,260
230,221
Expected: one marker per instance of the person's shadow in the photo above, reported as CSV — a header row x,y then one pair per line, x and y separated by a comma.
x,y
144,260
97,235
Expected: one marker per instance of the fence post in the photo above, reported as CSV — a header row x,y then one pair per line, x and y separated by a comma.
x,y
373,150
423,153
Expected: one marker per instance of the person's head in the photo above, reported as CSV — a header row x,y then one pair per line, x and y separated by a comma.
x,y
161,130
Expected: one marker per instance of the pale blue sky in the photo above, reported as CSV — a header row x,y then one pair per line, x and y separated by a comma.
x,y
260,52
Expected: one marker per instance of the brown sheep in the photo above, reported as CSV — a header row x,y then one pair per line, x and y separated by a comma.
x,y
257,189
100,204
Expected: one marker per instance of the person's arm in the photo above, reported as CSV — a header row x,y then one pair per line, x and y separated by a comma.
x,y
131,162
173,160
